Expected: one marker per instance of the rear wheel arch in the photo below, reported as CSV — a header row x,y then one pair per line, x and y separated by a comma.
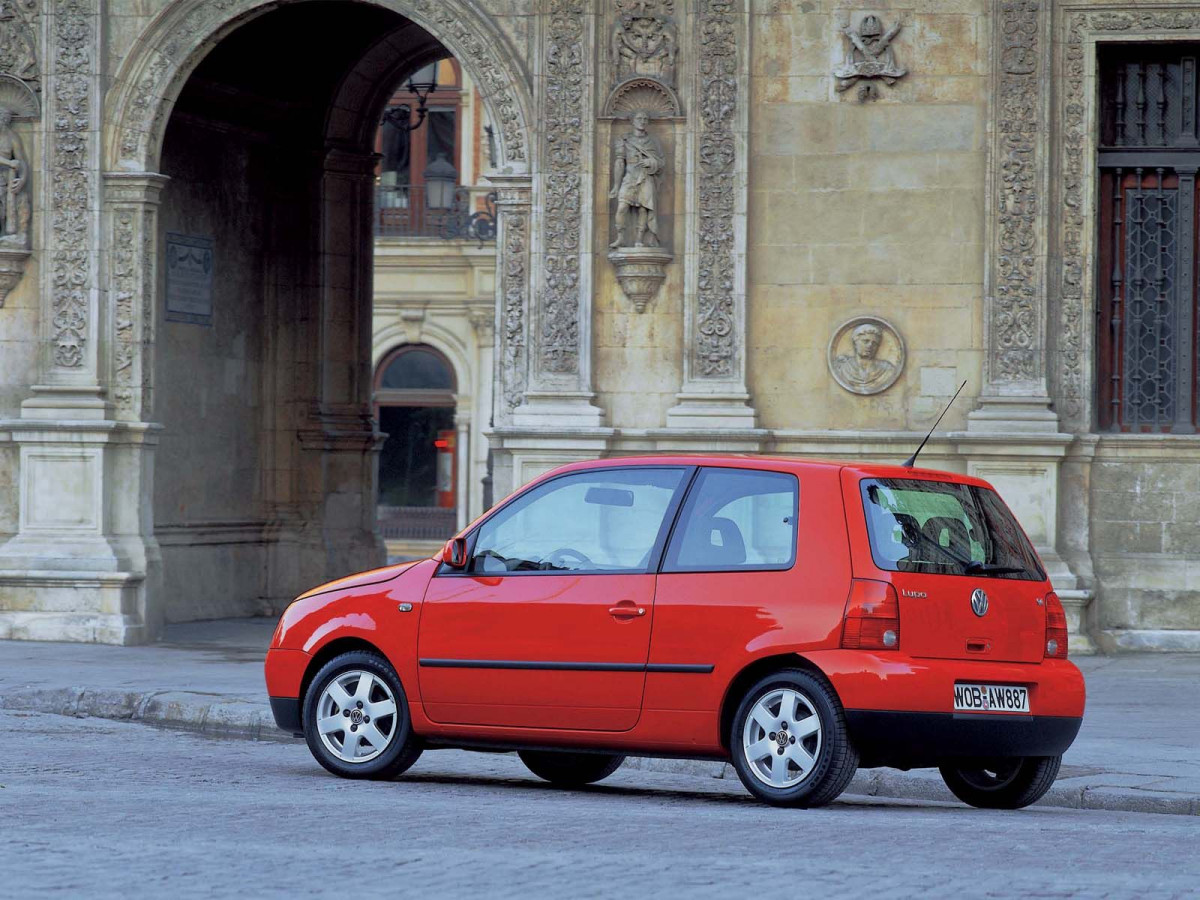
x,y
752,673
336,647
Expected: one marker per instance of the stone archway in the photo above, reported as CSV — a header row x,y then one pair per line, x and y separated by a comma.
x,y
109,205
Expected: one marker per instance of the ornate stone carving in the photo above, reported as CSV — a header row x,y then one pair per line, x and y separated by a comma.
x,y
563,108
866,355
1014,342
640,272
512,317
715,341
124,288
19,40
1076,286
71,178
642,95
869,57
643,41
18,96
14,206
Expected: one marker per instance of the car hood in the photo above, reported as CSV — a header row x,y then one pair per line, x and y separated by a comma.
x,y
362,579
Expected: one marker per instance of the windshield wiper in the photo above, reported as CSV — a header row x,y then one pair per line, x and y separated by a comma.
x,y
978,568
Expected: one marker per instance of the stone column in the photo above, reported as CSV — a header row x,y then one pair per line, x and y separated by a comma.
x,y
713,393
339,441
559,332
512,312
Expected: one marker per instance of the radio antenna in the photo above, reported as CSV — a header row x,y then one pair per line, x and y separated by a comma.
x,y
912,460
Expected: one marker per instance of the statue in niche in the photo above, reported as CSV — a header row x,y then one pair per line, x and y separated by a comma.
x,y
862,370
644,44
14,173
638,162
869,57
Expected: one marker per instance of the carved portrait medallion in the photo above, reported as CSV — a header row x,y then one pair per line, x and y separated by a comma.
x,y
866,355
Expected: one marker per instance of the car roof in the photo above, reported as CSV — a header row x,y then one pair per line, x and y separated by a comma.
x,y
776,463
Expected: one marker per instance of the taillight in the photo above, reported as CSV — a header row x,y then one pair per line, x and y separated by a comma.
x,y
872,620
1056,628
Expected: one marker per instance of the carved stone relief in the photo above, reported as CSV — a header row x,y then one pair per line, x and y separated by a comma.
x,y
1076,219
71,177
1014,343
715,340
19,41
869,57
563,109
646,95
866,355
644,41
124,287
516,300
14,206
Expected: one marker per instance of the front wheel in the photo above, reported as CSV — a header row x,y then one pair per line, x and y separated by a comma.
x,y
789,742
1002,783
356,720
570,770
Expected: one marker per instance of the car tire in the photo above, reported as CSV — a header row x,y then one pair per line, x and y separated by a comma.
x,y
1002,783
570,770
789,742
346,691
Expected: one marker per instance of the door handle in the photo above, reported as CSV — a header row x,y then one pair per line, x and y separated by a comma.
x,y
626,610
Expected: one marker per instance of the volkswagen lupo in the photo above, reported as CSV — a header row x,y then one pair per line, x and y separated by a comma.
x,y
799,619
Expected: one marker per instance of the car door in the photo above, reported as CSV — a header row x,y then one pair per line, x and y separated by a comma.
x,y
549,624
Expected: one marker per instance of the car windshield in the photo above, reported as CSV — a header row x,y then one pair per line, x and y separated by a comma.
x,y
944,528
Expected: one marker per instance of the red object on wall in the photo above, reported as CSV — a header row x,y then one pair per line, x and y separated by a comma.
x,y
446,445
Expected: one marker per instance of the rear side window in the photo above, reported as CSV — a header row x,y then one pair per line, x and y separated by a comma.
x,y
736,520
943,528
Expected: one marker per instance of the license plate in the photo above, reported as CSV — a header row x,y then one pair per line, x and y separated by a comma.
x,y
990,698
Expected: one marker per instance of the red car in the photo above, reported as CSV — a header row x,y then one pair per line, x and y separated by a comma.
x,y
800,619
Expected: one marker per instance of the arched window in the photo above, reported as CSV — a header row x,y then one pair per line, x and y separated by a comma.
x,y
415,375
414,405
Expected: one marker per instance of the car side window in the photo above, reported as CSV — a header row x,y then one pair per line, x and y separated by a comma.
x,y
598,521
736,520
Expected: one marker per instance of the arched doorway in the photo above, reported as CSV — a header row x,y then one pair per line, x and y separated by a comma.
x,y
415,400
265,477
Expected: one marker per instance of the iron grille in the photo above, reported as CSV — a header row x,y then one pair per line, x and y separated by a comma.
x,y
1146,329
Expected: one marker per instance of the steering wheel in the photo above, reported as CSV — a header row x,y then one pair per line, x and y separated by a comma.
x,y
560,558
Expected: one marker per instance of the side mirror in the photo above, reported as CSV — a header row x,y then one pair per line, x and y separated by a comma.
x,y
454,554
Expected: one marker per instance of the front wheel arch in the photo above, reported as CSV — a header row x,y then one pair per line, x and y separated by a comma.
x,y
328,651
754,672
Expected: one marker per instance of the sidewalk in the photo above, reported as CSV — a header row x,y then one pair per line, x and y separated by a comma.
x,y
1137,750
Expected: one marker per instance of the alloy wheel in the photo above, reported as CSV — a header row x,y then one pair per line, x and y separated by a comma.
x,y
782,738
356,716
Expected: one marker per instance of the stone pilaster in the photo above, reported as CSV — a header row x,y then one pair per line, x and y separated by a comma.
x,y
512,322
713,393
70,362
559,391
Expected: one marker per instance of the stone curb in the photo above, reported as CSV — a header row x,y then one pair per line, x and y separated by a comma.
x,y
217,715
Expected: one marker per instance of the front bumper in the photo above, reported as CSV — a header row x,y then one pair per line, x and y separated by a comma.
x,y
913,740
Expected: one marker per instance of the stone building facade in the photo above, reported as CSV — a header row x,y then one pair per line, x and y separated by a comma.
x,y
785,226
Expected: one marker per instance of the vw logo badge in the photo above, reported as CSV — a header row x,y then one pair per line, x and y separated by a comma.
x,y
979,602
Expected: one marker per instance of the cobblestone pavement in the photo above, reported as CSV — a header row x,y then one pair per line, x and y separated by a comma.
x,y
96,808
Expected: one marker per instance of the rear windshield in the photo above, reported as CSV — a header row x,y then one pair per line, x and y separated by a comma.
x,y
943,528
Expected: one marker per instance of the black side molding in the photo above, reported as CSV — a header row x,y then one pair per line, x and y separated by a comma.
x,y
551,666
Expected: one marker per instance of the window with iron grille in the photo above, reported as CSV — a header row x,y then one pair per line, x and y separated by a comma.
x,y
1148,378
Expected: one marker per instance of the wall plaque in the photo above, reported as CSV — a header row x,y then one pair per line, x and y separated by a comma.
x,y
189,278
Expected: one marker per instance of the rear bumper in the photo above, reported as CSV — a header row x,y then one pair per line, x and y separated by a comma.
x,y
914,740
286,711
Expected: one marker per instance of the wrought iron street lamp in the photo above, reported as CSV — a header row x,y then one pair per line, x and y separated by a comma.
x,y
441,182
422,82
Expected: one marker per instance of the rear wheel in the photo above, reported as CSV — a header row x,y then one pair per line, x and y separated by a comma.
x,y
789,742
1002,783
570,769
356,720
